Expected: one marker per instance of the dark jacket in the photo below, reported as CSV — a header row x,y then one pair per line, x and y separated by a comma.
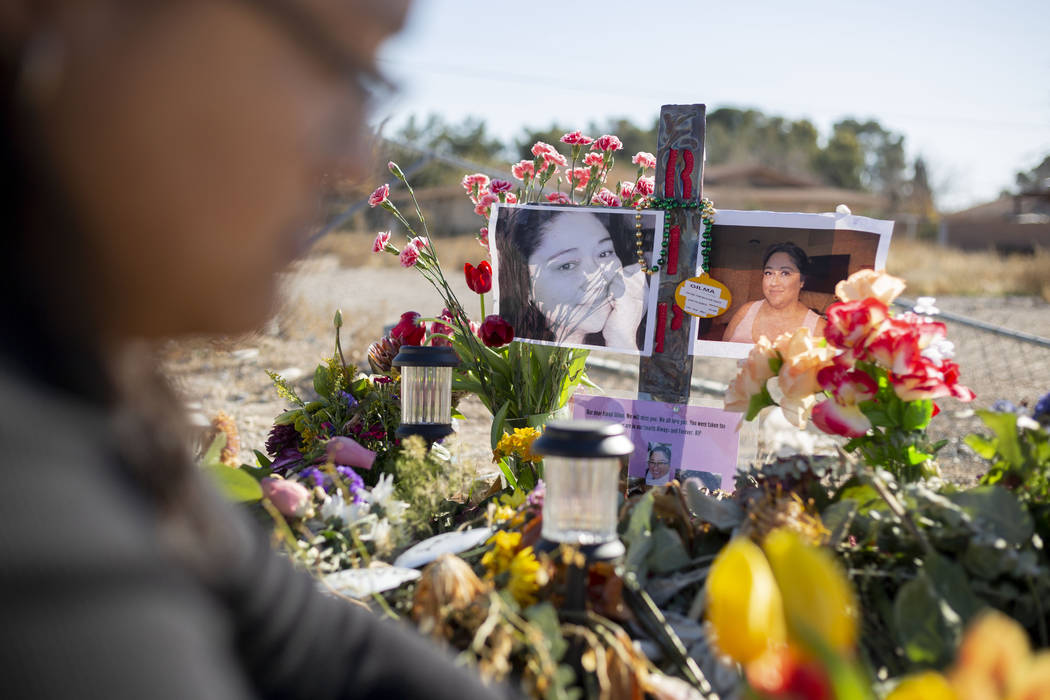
x,y
95,602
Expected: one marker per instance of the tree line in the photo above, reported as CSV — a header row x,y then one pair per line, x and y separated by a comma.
x,y
857,154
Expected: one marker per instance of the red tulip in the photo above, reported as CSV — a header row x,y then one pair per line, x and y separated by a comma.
x,y
409,330
479,278
496,331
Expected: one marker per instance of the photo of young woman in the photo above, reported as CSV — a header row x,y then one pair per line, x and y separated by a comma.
x,y
571,276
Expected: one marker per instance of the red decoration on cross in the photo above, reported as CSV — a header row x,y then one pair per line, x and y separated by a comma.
x,y
661,323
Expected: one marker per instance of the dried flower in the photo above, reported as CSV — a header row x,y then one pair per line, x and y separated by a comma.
x,y
224,423
381,354
447,585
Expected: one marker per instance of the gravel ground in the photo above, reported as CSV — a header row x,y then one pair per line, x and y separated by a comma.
x,y
229,374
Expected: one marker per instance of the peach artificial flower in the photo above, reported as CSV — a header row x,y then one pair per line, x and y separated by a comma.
x,y
754,372
864,284
803,357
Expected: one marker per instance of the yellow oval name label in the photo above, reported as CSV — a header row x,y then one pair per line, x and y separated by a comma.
x,y
703,296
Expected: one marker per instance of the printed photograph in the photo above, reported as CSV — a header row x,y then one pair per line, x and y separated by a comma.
x,y
572,276
781,270
658,469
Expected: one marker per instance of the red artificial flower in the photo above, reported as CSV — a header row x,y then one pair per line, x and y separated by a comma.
x,y
851,322
896,345
408,330
479,278
848,387
381,194
495,331
927,380
838,419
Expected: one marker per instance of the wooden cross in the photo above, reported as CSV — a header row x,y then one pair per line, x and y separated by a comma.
x,y
668,373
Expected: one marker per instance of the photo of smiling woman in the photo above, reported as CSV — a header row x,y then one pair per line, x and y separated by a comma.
x,y
570,276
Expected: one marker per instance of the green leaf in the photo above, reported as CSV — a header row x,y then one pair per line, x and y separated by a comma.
x,y
998,510
545,617
667,553
496,432
323,380
917,414
236,484
950,582
837,518
508,474
214,452
758,402
288,417
927,628
1004,425
638,536
262,459
876,413
723,514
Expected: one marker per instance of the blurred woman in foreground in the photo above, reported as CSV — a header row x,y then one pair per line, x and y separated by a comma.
x,y
160,163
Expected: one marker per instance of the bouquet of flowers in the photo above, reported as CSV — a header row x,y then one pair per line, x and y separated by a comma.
x,y
871,378
521,384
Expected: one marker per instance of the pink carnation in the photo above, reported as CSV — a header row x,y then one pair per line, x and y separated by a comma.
x,y
558,198
499,186
541,149
409,256
579,177
575,138
523,170
646,185
381,195
483,237
476,180
607,142
511,198
485,202
382,238
643,159
554,157
593,159
606,198
626,190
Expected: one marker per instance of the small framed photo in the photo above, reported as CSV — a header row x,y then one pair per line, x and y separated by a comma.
x,y
781,270
571,276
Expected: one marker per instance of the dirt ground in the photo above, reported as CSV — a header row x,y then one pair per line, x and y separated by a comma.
x,y
229,374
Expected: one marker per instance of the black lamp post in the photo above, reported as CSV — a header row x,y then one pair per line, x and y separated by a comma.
x,y
426,390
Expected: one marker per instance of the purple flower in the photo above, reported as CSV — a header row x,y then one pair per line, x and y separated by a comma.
x,y
1005,406
286,459
347,397
1042,408
536,496
354,483
281,436
315,476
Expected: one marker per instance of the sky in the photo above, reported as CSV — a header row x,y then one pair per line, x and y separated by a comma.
x,y
966,83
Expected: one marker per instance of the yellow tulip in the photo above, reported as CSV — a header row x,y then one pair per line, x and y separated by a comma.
x,y
923,686
743,602
817,596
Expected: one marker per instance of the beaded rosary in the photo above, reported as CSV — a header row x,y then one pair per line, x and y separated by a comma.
x,y
669,246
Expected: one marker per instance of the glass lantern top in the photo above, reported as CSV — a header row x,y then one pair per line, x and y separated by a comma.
x,y
583,438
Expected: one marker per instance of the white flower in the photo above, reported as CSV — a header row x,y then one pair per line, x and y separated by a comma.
x,y
382,495
383,536
1026,423
939,350
924,306
335,507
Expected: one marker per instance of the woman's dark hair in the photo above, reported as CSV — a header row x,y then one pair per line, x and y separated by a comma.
x,y
660,447
797,255
516,240
55,319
